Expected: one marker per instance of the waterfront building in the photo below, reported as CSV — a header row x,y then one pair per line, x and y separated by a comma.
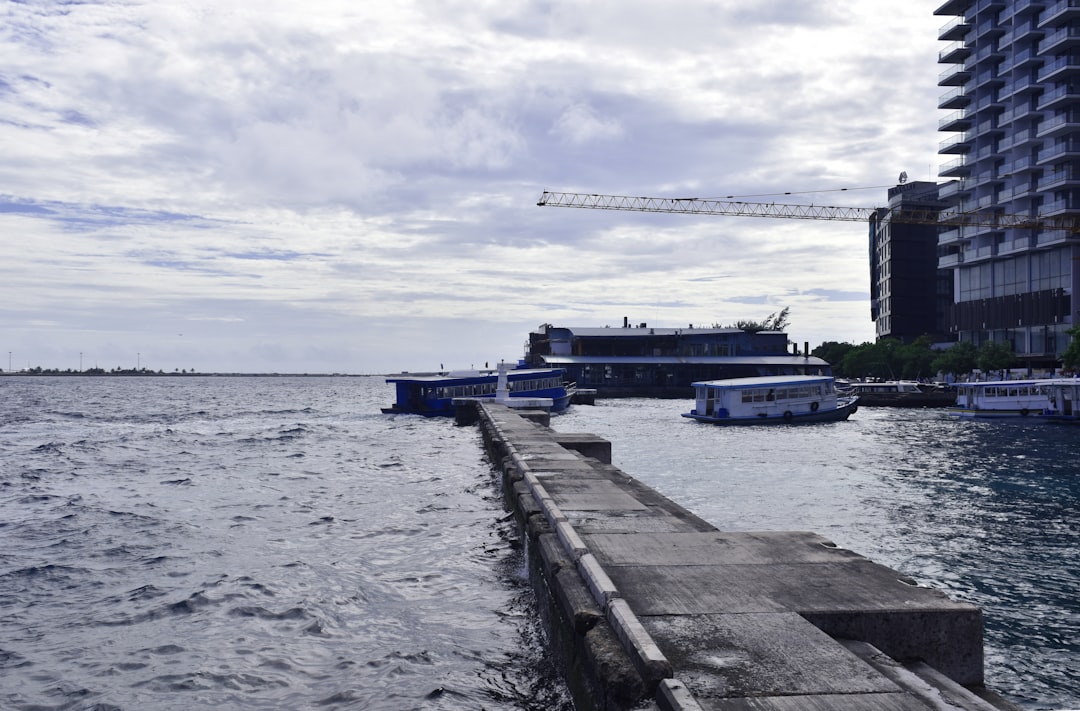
x,y
643,361
909,293
1012,81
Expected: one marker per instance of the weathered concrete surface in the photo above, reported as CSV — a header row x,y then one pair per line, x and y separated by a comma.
x,y
649,604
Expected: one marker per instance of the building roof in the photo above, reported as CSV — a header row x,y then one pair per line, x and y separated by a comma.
x,y
649,331
793,360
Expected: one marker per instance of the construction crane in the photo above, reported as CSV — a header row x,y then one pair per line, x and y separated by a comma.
x,y
949,217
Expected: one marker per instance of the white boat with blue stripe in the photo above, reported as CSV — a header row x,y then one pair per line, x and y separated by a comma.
x,y
772,400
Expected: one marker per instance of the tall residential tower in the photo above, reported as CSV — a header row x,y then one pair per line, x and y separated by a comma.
x,y
1012,80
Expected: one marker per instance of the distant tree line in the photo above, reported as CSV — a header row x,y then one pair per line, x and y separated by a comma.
x,y
891,359
38,370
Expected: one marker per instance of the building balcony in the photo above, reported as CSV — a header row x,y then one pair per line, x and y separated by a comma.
x,y
1059,96
954,30
958,168
956,121
1048,238
1060,69
1060,207
992,102
955,99
979,254
954,7
1021,60
1017,139
1056,181
955,75
1019,112
1060,40
1020,86
1059,125
1023,164
1066,150
989,78
1059,13
955,53
950,189
1023,33
948,261
988,29
1023,7
1021,244
957,144
949,236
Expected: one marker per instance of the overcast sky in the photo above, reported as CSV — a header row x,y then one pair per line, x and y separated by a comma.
x,y
351,186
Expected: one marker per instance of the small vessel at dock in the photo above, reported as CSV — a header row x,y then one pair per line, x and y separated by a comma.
x,y
900,393
433,394
779,399
1001,399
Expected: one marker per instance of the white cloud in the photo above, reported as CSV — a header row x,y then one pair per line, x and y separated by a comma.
x,y
290,169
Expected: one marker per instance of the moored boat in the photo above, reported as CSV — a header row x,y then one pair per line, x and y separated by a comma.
x,y
433,394
1002,399
779,399
1064,401
900,393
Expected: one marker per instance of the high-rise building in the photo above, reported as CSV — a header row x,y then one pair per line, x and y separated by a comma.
x,y
909,294
1012,74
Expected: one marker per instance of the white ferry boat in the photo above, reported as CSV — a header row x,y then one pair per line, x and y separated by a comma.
x,y
778,399
996,399
1064,400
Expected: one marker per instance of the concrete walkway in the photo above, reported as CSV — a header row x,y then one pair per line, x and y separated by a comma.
x,y
705,619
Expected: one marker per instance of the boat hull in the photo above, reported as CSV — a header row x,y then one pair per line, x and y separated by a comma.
x,y
844,409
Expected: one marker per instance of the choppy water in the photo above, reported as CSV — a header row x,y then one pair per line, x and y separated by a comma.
x,y
180,543
243,543
987,511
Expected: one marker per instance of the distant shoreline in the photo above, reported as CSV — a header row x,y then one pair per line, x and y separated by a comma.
x,y
148,374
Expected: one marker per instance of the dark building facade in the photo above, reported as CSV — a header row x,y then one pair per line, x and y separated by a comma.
x,y
663,362
909,294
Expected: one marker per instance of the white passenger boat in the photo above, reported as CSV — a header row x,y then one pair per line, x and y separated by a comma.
x,y
1064,401
780,399
997,399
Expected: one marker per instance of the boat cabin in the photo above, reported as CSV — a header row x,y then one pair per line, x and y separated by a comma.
x,y
771,396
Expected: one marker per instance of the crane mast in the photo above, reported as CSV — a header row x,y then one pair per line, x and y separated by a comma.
x,y
949,217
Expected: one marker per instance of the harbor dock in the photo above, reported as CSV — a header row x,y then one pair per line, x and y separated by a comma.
x,y
648,606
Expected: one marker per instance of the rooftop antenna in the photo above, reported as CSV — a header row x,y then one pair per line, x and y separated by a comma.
x,y
903,177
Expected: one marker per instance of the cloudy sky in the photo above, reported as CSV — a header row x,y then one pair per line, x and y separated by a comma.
x,y
351,185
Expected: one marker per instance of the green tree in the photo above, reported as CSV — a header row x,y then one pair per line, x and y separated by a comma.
x,y
916,359
1071,357
957,360
833,353
994,356
773,322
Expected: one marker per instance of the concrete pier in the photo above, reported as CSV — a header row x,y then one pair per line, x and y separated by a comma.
x,y
649,606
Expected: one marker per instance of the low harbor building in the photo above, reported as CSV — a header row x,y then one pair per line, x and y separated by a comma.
x,y
644,361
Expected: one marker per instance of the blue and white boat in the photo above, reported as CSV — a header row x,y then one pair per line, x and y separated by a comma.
x,y
1001,399
433,394
776,399
1048,399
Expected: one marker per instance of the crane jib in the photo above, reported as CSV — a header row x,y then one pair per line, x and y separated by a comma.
x,y
948,217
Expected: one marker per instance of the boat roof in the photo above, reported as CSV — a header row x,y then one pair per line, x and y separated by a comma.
x,y
470,376
1015,383
637,332
782,360
765,381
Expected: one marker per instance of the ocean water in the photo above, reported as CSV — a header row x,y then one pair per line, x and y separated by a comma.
x,y
270,543
254,543
989,512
